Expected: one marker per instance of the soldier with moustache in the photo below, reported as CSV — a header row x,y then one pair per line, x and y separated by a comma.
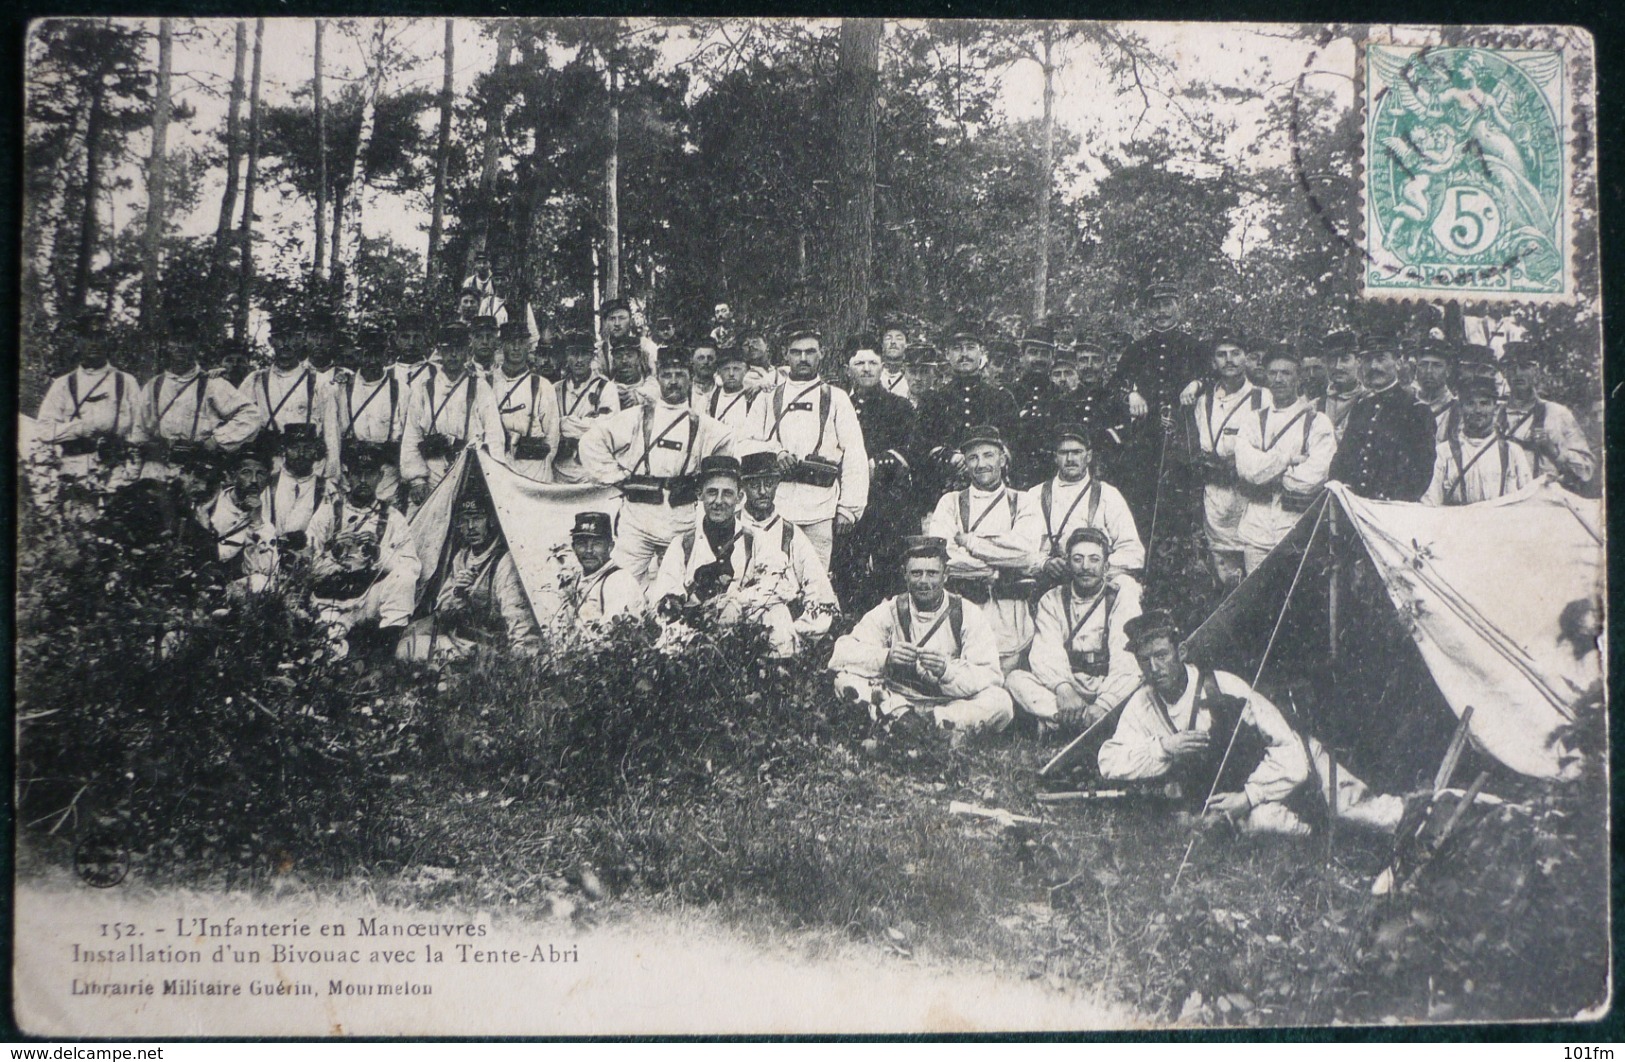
x,y
629,371
619,327
1219,415
894,362
1343,387
414,350
1282,455
363,567
186,416
450,410
1155,375
366,412
1038,408
289,396
89,415
1075,497
245,542
867,559
527,409
995,538
484,337
947,414
1547,431
1387,450
1080,668
652,453
811,425
584,395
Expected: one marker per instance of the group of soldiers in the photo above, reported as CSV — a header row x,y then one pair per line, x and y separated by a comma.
x,y
1014,491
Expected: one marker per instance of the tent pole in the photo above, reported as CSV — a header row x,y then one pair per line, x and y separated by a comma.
x,y
1332,592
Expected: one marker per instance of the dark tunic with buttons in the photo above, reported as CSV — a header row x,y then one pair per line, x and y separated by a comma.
x,y
946,415
1158,365
1388,448
864,565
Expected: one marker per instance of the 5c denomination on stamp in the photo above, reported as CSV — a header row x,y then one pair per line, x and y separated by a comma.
x,y
1466,173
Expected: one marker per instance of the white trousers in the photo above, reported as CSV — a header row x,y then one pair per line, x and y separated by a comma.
x,y
990,709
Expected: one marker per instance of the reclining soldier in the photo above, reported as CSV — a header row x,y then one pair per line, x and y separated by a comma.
x,y
363,567
926,651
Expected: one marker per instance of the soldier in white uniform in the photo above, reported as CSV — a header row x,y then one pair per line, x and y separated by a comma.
x,y
447,411
1547,431
926,650
415,359
1343,386
1283,455
1219,411
527,409
90,414
1079,666
583,396
1177,726
602,591
1075,497
185,414
811,425
724,567
294,492
731,402
366,410
1477,463
289,398
652,453
363,566
245,542
994,536
784,551
480,600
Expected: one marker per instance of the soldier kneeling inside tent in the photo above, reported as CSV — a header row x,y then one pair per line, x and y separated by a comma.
x,y
362,564
1208,731
477,598
926,651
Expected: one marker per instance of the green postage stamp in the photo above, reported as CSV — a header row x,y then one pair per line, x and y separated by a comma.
x,y
1467,173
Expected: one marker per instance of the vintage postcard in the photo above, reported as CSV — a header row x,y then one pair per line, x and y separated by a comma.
x,y
556,526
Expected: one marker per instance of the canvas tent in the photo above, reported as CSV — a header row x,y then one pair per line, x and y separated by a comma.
x,y
535,519
1384,621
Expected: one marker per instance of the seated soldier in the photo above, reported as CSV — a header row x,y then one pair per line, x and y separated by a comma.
x,y
601,591
362,563
722,566
480,600
993,534
1079,667
925,651
784,549
1180,724
245,542
295,491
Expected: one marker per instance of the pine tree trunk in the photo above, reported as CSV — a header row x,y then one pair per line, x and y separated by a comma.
x,y
335,260
489,156
357,195
93,180
221,260
612,191
1046,172
152,243
857,114
245,231
318,265
437,219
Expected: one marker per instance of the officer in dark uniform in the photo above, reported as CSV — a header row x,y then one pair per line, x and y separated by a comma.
x,y
1387,448
1147,383
866,561
964,401
1038,409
